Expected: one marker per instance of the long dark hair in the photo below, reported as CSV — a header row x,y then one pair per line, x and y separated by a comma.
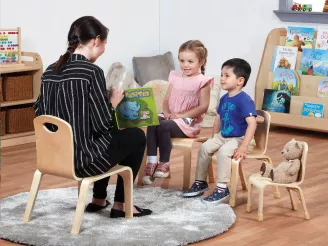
x,y
81,32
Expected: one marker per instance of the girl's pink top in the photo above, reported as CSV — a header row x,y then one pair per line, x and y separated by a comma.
x,y
185,95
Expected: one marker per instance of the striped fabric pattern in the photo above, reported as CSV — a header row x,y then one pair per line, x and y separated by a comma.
x,y
78,95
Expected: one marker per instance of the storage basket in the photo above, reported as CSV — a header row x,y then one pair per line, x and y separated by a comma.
x,y
17,87
3,122
20,120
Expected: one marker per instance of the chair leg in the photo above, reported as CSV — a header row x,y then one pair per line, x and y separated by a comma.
x,y
249,198
80,207
128,192
78,187
301,196
141,173
242,177
292,200
211,178
234,182
275,190
260,206
32,195
186,168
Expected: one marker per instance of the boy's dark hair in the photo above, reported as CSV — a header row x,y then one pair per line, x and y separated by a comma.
x,y
240,68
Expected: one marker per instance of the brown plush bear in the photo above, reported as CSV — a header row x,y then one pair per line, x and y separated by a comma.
x,y
287,171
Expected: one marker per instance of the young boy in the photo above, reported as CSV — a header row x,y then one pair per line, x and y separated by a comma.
x,y
233,131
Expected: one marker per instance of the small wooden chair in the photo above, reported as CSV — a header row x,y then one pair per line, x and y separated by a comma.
x,y
184,145
55,156
261,138
260,183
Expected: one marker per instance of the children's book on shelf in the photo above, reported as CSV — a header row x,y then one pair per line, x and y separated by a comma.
x,y
322,38
276,101
284,57
313,110
323,88
314,62
137,109
287,79
300,37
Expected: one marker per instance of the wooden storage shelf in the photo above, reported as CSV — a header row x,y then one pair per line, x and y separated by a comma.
x,y
19,102
34,67
308,89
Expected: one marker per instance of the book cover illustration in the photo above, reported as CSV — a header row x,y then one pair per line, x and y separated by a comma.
x,y
276,101
300,37
322,38
314,62
286,79
313,110
323,88
137,109
285,57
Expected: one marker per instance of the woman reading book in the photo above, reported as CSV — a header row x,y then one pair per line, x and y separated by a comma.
x,y
74,89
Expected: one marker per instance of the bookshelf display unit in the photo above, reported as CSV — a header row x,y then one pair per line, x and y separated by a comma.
x,y
308,89
34,68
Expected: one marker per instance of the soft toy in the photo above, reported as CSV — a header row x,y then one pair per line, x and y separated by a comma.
x,y
287,171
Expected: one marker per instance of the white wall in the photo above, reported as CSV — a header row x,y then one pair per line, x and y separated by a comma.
x,y
228,29
236,28
133,26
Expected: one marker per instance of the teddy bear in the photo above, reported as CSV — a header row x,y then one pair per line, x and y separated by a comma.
x,y
287,171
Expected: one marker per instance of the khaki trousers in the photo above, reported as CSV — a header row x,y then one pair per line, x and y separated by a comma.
x,y
225,148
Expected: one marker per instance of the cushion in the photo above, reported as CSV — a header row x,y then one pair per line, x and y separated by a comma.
x,y
152,68
159,89
118,77
215,96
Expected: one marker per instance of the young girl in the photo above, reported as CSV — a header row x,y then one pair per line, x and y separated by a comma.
x,y
184,106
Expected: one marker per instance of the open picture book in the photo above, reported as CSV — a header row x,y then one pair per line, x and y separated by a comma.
x,y
137,109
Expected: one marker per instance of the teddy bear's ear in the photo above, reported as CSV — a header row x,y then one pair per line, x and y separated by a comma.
x,y
293,140
298,145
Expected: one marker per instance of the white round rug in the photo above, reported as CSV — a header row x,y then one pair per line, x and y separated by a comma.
x,y
175,220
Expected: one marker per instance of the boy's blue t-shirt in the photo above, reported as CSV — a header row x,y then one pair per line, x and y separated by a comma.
x,y
233,111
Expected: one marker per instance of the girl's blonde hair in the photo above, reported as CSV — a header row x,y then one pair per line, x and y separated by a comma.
x,y
199,49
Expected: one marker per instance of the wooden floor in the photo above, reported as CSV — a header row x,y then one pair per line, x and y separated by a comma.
x,y
281,225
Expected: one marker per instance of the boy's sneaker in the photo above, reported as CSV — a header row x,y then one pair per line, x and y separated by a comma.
x,y
149,171
218,195
197,188
163,170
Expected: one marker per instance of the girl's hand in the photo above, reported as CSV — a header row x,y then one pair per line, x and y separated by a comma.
x,y
116,96
174,116
167,115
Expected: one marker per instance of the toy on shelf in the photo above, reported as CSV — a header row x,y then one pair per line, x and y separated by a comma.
x,y
307,7
10,47
296,7
301,7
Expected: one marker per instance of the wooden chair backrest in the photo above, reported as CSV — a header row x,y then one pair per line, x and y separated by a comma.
x,y
262,131
301,173
55,153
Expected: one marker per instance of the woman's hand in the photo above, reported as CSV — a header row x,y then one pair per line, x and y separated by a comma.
x,y
116,96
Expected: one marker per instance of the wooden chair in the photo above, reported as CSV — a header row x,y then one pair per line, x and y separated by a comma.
x,y
55,156
260,183
184,145
261,138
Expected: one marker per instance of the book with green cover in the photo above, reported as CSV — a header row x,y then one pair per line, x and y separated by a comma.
x,y
137,109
